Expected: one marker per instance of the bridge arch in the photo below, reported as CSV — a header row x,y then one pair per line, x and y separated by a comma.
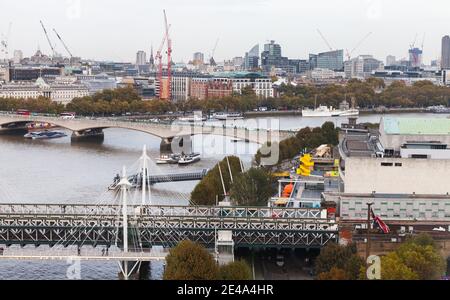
x,y
165,132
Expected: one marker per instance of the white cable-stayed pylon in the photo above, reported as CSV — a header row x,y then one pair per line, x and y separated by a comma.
x,y
144,161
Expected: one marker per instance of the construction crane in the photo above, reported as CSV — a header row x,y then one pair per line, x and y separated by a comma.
x,y
4,42
169,58
48,39
349,54
212,62
158,58
414,42
64,44
325,40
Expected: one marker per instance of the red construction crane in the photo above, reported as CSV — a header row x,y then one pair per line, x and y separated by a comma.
x,y
160,65
169,58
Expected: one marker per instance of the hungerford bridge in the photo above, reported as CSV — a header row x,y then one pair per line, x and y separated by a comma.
x,y
85,127
144,233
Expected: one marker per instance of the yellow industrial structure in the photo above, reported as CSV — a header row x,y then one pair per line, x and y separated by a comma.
x,y
306,165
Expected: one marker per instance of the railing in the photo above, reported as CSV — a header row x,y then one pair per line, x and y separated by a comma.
x,y
55,210
98,254
145,124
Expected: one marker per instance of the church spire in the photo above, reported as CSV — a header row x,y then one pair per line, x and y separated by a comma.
x,y
152,59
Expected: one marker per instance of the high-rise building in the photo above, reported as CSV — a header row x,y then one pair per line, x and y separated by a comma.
x,y
362,66
251,61
415,57
199,58
391,60
18,56
271,57
332,60
445,60
141,58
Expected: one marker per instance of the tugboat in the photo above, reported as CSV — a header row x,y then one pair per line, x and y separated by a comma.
x,y
189,159
42,135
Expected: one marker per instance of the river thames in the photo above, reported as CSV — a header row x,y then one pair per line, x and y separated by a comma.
x,y
58,171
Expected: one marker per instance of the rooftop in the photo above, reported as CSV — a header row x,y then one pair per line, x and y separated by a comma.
x,y
416,126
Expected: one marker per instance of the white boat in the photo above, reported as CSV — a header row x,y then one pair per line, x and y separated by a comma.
x,y
168,159
193,119
189,159
45,135
325,111
228,116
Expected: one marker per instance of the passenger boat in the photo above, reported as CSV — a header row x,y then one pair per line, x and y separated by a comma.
x,y
168,159
228,116
189,159
45,135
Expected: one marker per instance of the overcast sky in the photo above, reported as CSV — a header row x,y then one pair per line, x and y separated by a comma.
x,y
116,29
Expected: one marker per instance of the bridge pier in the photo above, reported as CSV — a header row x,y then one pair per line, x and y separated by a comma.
x,y
177,144
96,135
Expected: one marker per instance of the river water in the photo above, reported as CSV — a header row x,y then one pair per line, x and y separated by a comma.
x,y
58,171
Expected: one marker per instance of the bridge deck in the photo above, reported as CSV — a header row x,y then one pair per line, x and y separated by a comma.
x,y
85,255
165,226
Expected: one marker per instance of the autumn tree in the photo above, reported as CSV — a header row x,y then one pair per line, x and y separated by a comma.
x,y
339,261
190,261
238,270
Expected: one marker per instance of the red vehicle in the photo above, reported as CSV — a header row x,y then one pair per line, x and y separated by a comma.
x,y
23,112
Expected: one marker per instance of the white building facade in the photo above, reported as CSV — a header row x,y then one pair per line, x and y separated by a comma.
x,y
57,92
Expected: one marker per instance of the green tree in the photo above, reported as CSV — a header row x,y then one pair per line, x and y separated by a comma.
x,y
339,257
418,258
190,261
393,268
210,189
252,188
238,270
333,274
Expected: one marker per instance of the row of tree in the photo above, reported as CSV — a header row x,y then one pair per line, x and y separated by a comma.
x,y
190,261
368,94
416,259
305,140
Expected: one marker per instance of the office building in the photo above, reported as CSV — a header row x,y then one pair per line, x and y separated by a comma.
x,y
332,60
362,67
445,60
32,73
199,58
271,57
18,56
391,60
141,58
251,60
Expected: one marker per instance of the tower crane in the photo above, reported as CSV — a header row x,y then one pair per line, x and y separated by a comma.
x,y
48,39
169,58
158,58
62,42
414,42
4,42
349,54
325,40
212,62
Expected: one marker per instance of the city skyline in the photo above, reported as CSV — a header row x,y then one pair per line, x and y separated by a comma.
x,y
79,21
